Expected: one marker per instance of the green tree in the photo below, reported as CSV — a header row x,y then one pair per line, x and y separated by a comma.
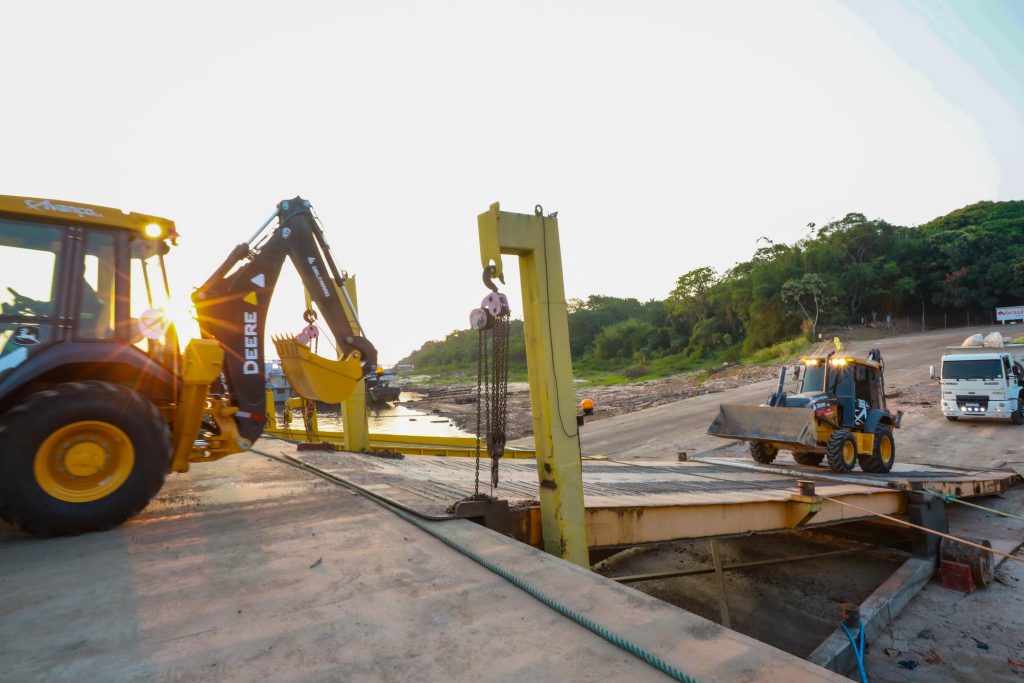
x,y
810,294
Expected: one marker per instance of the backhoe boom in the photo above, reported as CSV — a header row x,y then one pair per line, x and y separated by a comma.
x,y
232,305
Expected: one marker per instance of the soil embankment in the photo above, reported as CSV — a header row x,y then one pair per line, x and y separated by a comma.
x,y
458,401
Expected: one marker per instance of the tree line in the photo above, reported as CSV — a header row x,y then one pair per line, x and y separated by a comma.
x,y
850,271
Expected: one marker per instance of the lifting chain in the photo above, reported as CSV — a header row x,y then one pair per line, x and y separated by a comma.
x,y
491,321
308,414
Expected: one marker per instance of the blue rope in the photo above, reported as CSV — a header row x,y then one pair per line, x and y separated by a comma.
x,y
858,651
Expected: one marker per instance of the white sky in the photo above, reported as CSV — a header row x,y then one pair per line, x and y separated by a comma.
x,y
668,136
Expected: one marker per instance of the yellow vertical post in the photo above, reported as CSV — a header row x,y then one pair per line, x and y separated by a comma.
x,y
534,239
353,410
271,410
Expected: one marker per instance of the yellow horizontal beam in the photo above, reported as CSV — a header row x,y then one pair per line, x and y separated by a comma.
x,y
613,526
409,444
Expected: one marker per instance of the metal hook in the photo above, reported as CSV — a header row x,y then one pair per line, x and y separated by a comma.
x,y
538,210
489,273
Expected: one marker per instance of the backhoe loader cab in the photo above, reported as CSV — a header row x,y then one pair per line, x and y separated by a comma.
x,y
97,402
839,415
81,291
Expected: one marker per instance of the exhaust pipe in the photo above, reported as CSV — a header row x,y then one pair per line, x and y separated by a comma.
x,y
776,398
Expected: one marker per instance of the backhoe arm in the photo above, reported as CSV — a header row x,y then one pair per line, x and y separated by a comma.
x,y
232,305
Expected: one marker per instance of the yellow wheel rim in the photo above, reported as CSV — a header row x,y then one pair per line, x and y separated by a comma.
x,y
849,452
84,461
885,449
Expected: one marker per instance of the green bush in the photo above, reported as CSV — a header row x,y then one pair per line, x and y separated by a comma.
x,y
637,371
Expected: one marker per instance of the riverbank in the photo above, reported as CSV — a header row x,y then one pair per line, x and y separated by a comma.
x,y
458,401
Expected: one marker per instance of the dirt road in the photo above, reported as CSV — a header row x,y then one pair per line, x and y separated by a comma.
x,y
658,433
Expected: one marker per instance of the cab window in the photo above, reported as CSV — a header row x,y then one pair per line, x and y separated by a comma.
x,y
29,254
96,296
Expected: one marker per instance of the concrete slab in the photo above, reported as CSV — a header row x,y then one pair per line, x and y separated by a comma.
x,y
246,569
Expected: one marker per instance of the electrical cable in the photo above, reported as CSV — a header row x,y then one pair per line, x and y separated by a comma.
x,y
551,340
858,650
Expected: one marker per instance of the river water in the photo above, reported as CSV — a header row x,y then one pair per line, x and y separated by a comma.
x,y
392,419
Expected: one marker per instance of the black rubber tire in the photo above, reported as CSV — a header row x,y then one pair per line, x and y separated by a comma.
x,y
762,452
875,463
834,452
1017,416
952,418
24,428
810,459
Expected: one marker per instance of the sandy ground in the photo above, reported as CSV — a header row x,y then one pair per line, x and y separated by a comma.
x,y
793,606
946,636
453,401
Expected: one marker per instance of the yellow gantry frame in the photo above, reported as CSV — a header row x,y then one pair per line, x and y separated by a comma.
x,y
534,239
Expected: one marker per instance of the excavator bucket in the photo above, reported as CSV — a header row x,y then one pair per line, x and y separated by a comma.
x,y
316,378
793,427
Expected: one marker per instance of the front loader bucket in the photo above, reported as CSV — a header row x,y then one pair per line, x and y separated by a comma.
x,y
792,427
316,378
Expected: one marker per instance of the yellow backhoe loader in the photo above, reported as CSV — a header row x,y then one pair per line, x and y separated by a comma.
x,y
839,415
97,403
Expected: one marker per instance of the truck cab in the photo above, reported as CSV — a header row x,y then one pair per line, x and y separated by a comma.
x,y
985,384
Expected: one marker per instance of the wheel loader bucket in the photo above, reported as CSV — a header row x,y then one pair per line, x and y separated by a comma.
x,y
316,378
793,427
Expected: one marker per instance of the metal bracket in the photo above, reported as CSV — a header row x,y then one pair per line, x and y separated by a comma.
x,y
806,504
493,514
929,512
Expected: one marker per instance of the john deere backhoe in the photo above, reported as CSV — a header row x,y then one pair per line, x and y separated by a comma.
x,y
839,415
97,403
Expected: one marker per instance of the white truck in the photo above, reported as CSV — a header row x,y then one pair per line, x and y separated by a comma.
x,y
983,382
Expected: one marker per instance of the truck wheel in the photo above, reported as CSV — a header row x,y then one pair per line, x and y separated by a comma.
x,y
79,457
842,451
952,418
805,458
1017,416
883,455
763,452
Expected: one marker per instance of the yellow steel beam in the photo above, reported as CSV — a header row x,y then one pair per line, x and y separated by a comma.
x,y
353,409
613,526
534,239
409,444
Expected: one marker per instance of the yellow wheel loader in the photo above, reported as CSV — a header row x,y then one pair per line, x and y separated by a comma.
x,y
839,415
97,402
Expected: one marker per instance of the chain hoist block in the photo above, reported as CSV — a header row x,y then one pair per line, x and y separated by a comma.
x,y
480,319
496,304
491,321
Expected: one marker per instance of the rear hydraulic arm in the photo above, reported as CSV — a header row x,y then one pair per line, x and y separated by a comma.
x,y
232,305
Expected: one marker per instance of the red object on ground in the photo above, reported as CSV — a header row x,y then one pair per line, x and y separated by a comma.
x,y
956,576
